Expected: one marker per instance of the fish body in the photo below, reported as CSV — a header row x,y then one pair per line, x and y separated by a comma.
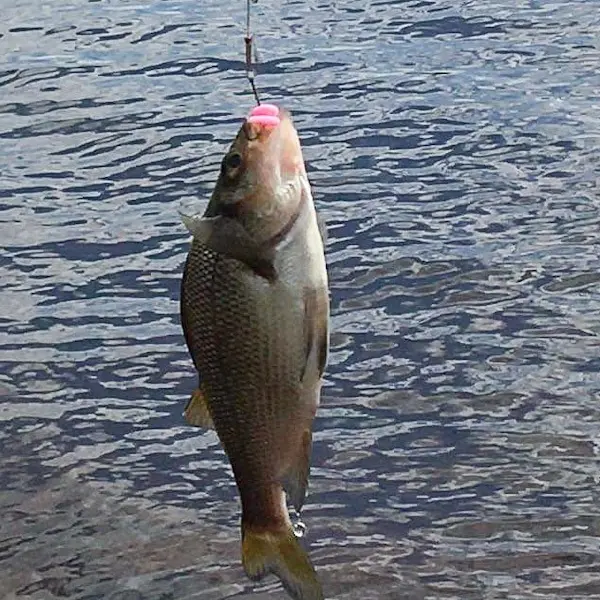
x,y
255,313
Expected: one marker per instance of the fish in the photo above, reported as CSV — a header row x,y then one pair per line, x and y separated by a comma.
x,y
255,311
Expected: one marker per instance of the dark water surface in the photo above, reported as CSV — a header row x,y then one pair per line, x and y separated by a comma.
x,y
454,149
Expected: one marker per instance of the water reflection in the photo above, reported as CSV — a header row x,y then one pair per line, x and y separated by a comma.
x,y
452,149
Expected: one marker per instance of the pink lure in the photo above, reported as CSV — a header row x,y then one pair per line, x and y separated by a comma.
x,y
265,114
265,109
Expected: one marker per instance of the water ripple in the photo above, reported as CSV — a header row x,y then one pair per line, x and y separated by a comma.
x,y
453,151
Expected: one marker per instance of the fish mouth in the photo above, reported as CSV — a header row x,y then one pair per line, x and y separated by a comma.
x,y
271,146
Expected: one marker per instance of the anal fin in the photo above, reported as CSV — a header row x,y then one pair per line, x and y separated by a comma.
x,y
295,479
196,411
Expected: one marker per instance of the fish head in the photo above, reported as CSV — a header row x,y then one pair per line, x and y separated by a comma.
x,y
262,173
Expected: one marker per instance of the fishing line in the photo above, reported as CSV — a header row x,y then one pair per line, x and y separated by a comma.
x,y
249,39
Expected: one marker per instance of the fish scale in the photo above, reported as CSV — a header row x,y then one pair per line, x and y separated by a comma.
x,y
231,350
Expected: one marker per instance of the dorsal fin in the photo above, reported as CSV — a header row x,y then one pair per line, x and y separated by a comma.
x,y
197,410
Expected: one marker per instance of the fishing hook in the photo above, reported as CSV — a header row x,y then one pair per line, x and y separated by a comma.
x,y
248,39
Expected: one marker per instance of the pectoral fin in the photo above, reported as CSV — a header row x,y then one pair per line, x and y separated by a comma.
x,y
197,412
322,228
227,236
320,219
316,330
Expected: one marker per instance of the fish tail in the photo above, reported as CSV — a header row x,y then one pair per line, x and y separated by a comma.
x,y
280,553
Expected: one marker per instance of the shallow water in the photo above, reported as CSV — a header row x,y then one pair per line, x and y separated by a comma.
x,y
454,151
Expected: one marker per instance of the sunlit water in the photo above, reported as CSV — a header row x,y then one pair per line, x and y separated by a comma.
x,y
454,149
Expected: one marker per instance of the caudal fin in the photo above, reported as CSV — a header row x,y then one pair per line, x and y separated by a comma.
x,y
280,553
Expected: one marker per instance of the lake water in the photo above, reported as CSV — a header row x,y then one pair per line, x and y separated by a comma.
x,y
454,149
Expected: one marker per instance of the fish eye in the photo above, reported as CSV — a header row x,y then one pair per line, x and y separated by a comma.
x,y
233,160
